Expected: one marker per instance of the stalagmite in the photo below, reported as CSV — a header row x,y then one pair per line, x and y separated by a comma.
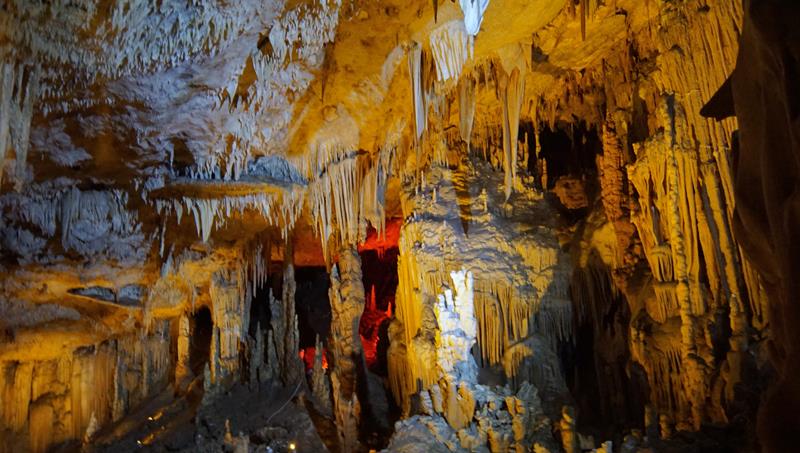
x,y
569,435
347,412
259,371
182,367
320,384
292,368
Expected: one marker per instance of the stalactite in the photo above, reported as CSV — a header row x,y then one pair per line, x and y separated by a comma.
x,y
450,49
415,69
473,14
19,91
22,111
611,168
512,91
466,108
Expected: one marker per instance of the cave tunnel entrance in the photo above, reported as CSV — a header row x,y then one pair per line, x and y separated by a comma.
x,y
313,311
202,328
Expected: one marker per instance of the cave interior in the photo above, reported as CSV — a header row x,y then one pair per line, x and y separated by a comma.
x,y
401,226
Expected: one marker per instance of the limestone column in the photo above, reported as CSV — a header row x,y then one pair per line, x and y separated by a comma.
x,y
347,303
182,368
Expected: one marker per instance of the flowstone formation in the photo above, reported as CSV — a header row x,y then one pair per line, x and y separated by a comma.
x,y
483,225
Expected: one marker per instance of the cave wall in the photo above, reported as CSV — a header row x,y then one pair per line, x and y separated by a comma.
x,y
660,229
47,402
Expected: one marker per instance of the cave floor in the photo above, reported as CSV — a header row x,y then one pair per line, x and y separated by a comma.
x,y
268,417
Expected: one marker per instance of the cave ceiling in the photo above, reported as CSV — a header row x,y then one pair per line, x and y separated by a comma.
x,y
165,99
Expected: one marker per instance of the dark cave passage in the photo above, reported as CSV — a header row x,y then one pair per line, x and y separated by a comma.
x,y
313,311
202,328
260,313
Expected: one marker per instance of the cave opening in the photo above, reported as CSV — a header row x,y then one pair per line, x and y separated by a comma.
x,y
313,312
202,329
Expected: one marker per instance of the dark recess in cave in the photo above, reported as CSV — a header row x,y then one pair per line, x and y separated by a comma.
x,y
260,314
201,332
379,275
568,150
608,396
312,305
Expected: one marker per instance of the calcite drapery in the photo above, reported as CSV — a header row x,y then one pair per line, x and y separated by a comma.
x,y
52,400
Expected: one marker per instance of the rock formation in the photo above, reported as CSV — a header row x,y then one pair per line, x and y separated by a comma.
x,y
573,221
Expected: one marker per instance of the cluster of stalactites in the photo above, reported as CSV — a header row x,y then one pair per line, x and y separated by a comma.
x,y
450,51
139,36
229,164
257,263
19,86
458,329
506,315
96,207
451,48
279,210
295,44
347,194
